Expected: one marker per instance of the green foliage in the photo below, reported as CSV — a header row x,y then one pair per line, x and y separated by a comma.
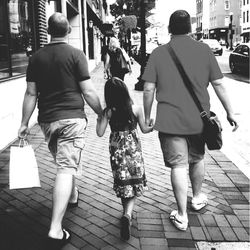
x,y
130,7
128,13
127,23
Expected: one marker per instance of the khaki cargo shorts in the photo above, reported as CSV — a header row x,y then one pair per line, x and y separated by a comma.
x,y
66,140
180,151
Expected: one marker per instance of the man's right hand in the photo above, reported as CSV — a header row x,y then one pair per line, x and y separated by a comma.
x,y
23,131
232,122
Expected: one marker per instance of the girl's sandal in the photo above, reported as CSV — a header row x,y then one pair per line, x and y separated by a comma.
x,y
125,227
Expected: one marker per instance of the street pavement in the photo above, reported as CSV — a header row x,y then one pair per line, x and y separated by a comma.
x,y
25,213
236,146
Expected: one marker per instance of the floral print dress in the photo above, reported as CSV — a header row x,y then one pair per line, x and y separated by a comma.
x,y
127,162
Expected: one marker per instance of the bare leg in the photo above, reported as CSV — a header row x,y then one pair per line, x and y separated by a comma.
x,y
128,205
197,173
180,187
74,193
61,193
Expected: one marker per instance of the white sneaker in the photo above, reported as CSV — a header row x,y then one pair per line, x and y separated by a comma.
x,y
199,202
180,222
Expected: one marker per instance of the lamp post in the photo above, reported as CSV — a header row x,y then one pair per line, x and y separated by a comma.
x,y
140,83
231,30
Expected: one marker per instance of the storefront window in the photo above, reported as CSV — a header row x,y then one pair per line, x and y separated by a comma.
x,y
15,37
4,51
20,35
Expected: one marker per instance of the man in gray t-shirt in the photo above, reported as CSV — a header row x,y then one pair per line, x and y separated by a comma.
x,y
58,78
178,119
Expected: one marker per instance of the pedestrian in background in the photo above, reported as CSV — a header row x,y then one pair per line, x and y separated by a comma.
x,y
178,119
113,64
58,78
104,52
124,147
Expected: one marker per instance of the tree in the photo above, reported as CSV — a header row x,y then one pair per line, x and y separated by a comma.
x,y
138,8
130,7
127,23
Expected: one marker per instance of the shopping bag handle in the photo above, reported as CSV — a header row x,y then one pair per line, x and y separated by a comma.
x,y
23,142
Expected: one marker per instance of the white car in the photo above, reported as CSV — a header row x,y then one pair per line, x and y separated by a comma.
x,y
214,46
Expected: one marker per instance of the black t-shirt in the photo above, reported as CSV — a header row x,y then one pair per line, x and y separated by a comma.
x,y
104,52
115,61
57,69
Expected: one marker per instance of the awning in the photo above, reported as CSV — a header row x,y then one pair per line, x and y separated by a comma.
x,y
246,33
92,16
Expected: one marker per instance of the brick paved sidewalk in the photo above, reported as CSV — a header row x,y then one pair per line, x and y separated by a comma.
x,y
25,214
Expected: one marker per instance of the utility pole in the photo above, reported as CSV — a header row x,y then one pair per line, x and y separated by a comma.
x,y
231,31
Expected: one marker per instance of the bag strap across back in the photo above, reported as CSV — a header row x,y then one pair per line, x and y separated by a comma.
x,y
186,80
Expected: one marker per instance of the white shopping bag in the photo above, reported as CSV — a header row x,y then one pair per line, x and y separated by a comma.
x,y
23,169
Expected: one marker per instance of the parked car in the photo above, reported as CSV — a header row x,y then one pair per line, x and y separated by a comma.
x,y
214,46
239,58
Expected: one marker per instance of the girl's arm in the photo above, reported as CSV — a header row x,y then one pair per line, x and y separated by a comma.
x,y
140,117
102,122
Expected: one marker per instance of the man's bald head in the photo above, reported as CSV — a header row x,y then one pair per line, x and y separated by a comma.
x,y
58,25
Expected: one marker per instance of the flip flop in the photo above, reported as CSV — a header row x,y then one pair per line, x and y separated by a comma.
x,y
199,202
57,244
125,227
177,222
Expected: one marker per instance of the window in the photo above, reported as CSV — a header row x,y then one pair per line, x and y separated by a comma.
x,y
227,4
15,37
227,20
245,50
238,49
20,34
4,55
247,17
244,16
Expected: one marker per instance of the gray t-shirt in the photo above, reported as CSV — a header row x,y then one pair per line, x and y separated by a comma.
x,y
176,111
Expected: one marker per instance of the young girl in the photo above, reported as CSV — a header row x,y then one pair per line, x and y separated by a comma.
x,y
124,146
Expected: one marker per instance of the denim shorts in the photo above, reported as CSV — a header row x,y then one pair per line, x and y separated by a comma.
x,y
66,140
180,151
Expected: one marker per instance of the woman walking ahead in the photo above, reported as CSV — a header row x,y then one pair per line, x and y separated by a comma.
x,y
124,146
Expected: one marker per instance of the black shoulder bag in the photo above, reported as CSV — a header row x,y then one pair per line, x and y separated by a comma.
x,y
212,126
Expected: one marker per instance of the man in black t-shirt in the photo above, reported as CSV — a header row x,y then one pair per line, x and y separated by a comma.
x,y
58,79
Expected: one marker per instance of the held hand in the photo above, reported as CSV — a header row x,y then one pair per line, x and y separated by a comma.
x,y
147,121
23,132
232,122
151,122
150,125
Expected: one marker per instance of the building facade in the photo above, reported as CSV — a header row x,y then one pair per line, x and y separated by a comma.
x,y
202,19
225,20
23,30
245,21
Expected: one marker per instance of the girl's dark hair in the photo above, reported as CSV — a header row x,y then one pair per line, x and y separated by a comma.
x,y
179,23
117,99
